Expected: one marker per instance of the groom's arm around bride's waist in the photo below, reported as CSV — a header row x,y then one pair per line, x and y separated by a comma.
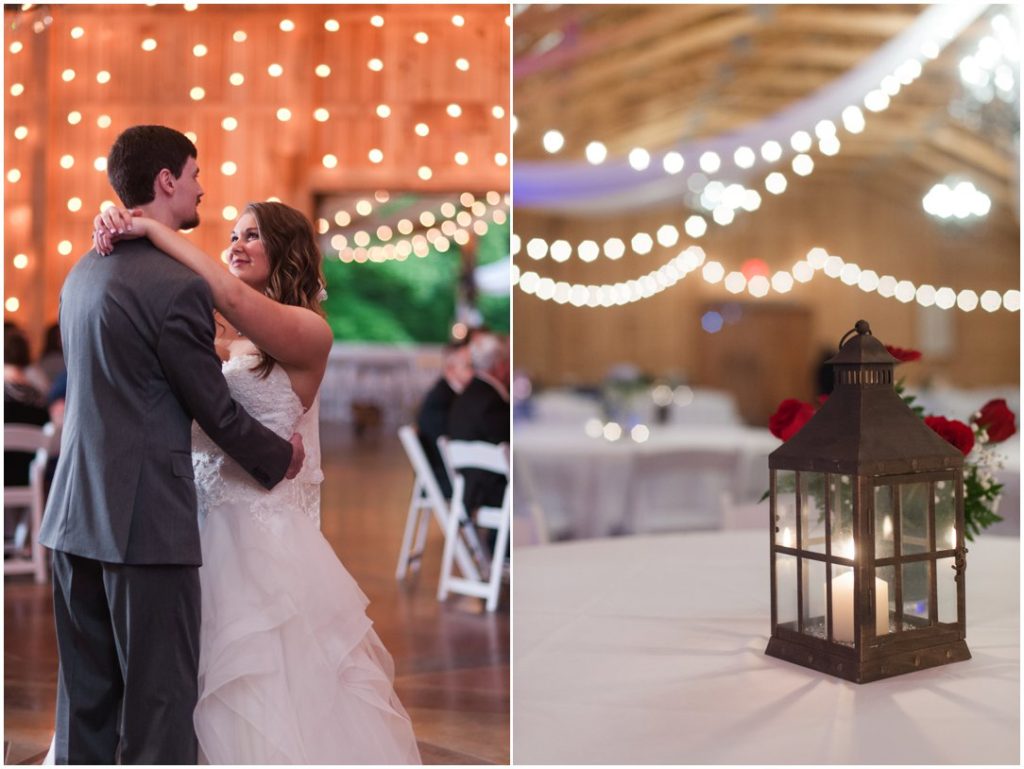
x,y
186,351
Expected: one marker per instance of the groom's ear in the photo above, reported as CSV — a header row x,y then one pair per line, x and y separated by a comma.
x,y
164,182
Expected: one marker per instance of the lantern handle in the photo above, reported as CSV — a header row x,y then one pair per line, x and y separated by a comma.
x,y
860,327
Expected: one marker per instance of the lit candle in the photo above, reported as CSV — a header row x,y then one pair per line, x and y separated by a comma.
x,y
842,603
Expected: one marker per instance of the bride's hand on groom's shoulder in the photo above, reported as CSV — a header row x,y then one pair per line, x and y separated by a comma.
x,y
114,224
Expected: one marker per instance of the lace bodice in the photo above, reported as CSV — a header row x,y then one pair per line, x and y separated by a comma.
x,y
222,486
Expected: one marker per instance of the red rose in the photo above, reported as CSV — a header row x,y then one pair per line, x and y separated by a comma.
x,y
953,431
903,355
997,419
790,416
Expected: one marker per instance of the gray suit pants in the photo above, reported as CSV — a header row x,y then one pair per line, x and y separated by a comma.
x,y
128,638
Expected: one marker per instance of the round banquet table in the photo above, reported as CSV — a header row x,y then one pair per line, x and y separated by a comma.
x,y
590,487
647,650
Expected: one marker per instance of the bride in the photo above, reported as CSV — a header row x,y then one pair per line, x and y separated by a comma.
x,y
290,668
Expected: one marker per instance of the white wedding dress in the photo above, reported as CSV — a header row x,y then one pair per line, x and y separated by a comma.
x,y
290,668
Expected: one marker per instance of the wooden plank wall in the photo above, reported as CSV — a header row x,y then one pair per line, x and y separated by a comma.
x,y
274,158
874,226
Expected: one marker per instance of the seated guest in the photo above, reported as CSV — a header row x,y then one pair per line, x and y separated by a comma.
x,y
25,405
432,422
44,371
481,413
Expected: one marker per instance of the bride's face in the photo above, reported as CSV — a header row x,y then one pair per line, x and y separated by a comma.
x,y
247,258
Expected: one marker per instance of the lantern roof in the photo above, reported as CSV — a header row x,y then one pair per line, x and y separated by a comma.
x,y
865,428
862,349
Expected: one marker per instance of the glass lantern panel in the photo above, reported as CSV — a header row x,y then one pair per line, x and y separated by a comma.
x,y
945,578
785,590
914,518
841,493
916,591
842,604
814,597
945,515
812,512
885,600
883,522
785,513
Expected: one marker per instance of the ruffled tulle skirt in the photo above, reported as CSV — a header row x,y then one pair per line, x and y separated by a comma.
x,y
290,668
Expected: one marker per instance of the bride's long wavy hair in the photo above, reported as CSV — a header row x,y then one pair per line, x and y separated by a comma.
x,y
296,272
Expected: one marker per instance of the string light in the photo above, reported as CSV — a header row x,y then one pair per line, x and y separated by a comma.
x,y
199,50
197,93
20,261
332,25
102,77
383,111
284,114
421,129
239,36
458,21
12,304
321,115
454,110
330,161
20,132
236,78
103,121
758,286
376,65
421,38
286,25
275,70
149,44
322,70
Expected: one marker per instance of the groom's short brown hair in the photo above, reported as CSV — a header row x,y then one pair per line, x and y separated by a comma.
x,y
139,154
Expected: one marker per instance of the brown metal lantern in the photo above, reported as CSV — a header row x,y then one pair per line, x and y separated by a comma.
x,y
867,554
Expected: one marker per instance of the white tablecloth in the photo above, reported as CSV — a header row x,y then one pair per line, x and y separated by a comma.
x,y
394,378
651,650
590,487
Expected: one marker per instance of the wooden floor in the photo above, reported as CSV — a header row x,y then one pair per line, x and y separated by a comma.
x,y
451,660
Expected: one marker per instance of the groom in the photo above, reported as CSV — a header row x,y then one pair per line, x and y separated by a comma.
x,y
138,336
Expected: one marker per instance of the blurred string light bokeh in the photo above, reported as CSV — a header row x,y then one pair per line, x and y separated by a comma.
x,y
298,103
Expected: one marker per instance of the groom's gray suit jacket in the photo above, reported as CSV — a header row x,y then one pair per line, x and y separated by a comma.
x,y
138,336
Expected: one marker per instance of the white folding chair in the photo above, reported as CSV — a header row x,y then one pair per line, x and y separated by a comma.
x,y
477,455
42,441
426,499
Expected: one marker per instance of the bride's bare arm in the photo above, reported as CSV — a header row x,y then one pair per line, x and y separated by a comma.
x,y
294,336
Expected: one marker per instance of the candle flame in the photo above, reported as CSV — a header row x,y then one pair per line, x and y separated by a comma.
x,y
952,536
787,537
887,527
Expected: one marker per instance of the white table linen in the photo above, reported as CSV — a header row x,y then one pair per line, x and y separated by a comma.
x,y
591,487
651,650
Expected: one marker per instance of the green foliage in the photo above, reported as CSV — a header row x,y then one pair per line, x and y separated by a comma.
x,y
909,399
392,301
980,495
411,300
